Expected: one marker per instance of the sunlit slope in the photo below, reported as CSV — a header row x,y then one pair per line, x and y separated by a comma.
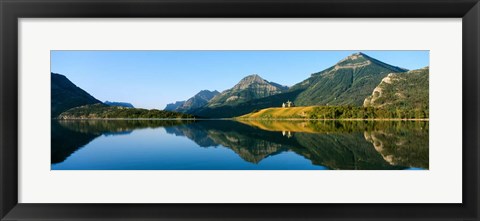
x,y
281,113
335,112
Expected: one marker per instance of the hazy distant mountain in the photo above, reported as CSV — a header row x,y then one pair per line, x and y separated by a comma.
x,y
174,106
249,88
348,82
118,104
198,100
66,95
402,90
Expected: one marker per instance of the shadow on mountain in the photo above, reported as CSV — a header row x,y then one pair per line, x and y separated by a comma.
x,y
70,135
66,141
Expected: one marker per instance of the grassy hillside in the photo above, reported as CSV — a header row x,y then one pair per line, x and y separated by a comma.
x,y
279,112
335,112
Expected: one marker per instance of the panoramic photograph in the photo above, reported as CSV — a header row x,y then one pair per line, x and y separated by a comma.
x,y
239,110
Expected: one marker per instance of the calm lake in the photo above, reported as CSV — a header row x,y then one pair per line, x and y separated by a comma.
x,y
238,145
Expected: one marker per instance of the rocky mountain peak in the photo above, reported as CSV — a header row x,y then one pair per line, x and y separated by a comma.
x,y
249,88
254,78
358,59
206,94
207,91
356,56
250,80
197,101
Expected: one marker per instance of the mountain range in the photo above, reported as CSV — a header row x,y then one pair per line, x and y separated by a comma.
x,y
357,80
348,82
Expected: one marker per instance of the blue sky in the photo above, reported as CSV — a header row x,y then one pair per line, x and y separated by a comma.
x,y
152,79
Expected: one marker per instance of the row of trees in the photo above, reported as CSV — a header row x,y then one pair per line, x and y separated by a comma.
x,y
103,111
351,112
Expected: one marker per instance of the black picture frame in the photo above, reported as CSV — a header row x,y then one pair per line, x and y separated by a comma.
x,y
12,10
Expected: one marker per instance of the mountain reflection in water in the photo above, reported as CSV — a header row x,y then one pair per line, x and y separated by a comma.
x,y
238,145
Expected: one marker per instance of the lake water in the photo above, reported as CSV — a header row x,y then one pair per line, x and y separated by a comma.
x,y
238,145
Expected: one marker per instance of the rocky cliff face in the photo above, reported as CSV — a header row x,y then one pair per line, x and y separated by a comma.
x,y
174,106
249,88
401,90
198,100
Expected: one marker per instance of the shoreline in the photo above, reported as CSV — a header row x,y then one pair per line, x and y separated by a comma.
x,y
333,119
254,119
60,119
